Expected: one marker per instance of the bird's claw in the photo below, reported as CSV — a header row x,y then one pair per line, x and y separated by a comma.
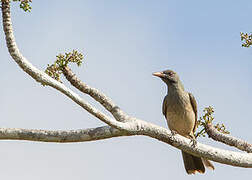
x,y
173,132
193,141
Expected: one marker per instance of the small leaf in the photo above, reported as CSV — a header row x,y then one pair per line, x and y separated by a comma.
x,y
61,62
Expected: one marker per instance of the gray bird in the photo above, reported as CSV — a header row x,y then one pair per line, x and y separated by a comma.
x,y
180,111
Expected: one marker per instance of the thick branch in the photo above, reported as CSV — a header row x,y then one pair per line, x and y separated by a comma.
x,y
80,135
94,93
201,150
227,139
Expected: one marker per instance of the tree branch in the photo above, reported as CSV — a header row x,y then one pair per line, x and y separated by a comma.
x,y
106,102
140,127
227,139
81,135
132,127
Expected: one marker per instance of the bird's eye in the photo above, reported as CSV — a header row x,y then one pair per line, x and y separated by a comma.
x,y
170,73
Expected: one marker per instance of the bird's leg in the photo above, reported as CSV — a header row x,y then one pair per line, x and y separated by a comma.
x,y
173,132
193,140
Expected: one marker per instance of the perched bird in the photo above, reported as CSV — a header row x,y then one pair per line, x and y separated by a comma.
x,y
180,111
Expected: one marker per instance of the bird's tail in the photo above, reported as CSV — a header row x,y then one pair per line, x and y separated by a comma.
x,y
207,164
195,164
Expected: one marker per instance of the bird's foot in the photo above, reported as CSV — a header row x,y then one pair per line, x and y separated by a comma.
x,y
173,132
193,141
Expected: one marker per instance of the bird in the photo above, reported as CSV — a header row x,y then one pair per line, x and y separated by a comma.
x,y
180,110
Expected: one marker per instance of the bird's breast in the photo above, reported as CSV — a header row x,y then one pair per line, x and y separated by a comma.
x,y
181,118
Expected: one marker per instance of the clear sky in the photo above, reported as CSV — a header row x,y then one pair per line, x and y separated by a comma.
x,y
124,43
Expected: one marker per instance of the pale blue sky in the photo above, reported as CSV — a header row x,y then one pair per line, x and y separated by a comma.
x,y
124,43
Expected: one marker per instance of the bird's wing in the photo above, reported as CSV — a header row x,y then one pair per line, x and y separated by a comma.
x,y
194,106
164,108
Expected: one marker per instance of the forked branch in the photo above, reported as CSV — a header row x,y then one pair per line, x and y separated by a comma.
x,y
122,125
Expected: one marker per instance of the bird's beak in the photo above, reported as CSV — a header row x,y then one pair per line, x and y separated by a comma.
x,y
158,74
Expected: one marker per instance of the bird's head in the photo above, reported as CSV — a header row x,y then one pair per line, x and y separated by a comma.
x,y
168,76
